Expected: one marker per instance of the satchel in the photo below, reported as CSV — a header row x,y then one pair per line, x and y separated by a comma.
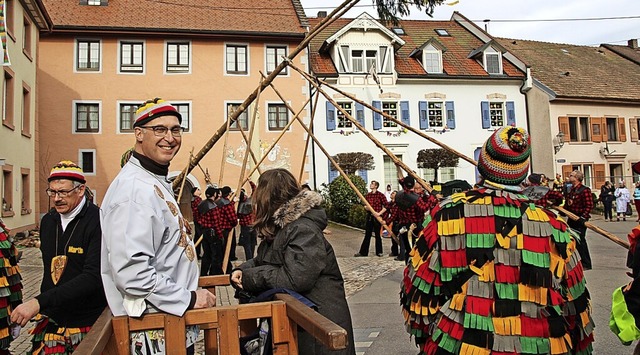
x,y
629,211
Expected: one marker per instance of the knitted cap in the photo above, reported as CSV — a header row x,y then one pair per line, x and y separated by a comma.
x,y
67,170
155,108
504,158
535,178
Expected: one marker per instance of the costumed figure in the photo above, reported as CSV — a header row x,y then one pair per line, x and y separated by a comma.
x,y
11,289
492,273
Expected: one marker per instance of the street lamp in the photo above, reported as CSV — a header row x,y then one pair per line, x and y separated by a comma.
x,y
558,142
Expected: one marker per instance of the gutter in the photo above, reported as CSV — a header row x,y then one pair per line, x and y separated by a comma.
x,y
170,32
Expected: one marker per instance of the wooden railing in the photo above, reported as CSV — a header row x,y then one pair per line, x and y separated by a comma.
x,y
223,326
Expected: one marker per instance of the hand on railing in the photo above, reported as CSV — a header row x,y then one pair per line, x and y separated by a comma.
x,y
204,299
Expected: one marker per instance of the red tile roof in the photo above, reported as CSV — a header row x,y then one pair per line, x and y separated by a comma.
x,y
455,62
579,72
196,16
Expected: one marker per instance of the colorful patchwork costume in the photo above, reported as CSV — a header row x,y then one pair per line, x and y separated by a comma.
x,y
492,273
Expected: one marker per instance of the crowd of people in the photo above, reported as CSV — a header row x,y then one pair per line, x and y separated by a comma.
x,y
489,268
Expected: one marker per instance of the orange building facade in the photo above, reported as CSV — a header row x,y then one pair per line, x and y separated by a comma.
x,y
95,69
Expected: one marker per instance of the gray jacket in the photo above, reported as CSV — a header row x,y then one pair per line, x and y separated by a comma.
x,y
301,259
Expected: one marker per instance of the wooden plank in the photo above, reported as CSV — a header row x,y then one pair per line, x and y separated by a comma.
x,y
327,332
280,330
174,334
211,341
229,335
121,334
96,340
215,280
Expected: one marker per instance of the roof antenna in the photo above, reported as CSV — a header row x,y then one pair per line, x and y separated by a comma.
x,y
486,25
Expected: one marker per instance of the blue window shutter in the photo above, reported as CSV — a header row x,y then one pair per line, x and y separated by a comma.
x,y
360,113
333,174
486,119
424,118
377,118
363,174
511,113
451,114
331,116
404,111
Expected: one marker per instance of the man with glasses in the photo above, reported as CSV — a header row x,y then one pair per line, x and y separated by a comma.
x,y
580,202
71,295
149,262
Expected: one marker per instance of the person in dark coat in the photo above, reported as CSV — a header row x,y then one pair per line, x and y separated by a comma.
x,y
295,255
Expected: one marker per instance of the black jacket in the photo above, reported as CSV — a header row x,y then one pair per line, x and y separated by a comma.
x,y
78,299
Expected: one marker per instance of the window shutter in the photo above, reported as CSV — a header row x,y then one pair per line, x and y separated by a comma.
x,y
424,119
331,116
511,113
377,118
451,115
360,113
566,170
596,131
404,109
633,128
333,174
364,175
622,132
486,119
603,124
563,126
599,175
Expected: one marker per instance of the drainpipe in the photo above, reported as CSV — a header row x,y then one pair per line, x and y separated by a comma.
x,y
524,89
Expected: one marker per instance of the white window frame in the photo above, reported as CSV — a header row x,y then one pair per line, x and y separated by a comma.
x,y
443,113
94,2
490,52
238,125
166,57
289,115
119,114
80,161
504,113
339,116
428,174
276,47
188,103
392,125
74,103
248,55
431,50
144,56
76,54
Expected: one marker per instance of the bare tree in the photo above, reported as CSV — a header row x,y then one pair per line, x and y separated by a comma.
x,y
352,162
435,159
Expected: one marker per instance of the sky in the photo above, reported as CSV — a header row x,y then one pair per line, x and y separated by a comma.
x,y
582,32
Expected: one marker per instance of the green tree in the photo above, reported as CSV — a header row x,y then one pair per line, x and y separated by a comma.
x,y
392,10
435,159
342,197
352,162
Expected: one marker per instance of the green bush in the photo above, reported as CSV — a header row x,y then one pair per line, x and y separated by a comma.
x,y
357,216
340,197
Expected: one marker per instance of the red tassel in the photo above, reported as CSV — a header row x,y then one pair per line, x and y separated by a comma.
x,y
534,327
453,258
556,224
478,305
430,233
584,343
507,274
430,347
455,330
575,275
556,297
537,244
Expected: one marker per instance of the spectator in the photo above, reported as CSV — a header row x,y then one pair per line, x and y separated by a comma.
x,y
636,199
248,239
606,196
622,201
195,201
377,201
387,193
225,218
579,201
213,250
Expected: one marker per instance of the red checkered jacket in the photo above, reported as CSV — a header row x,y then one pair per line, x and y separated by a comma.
x,y
224,216
580,201
194,208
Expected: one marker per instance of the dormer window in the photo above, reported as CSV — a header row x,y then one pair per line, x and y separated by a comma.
x,y
442,32
432,60
94,2
356,60
492,61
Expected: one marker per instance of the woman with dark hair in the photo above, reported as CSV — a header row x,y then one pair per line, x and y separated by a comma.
x,y
606,196
294,254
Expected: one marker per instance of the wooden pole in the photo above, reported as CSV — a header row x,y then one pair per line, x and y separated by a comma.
x,y
335,165
594,228
334,15
248,141
224,150
183,180
306,146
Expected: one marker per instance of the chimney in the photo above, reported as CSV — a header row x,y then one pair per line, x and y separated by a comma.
x,y
633,43
322,14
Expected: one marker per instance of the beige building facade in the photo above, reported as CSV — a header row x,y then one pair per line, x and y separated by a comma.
x,y
19,131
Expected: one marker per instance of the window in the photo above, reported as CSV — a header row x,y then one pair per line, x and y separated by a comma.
x,y
87,118
344,122
493,63
243,119
93,2
390,172
278,117
356,61
363,61
370,61
25,206
185,110
391,109
7,98
274,57
444,174
131,57
127,113
442,32
587,170
237,59
579,129
87,161
7,190
496,113
433,61
26,37
177,57
435,114
612,128
88,55
26,110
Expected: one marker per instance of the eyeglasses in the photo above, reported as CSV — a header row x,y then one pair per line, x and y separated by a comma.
x,y
60,193
161,131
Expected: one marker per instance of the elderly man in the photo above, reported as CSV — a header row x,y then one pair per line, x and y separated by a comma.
x,y
580,202
492,272
71,296
148,261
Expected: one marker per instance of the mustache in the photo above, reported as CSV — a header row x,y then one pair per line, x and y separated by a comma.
x,y
60,203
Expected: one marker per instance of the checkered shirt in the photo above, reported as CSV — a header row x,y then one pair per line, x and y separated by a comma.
x,y
225,218
377,200
194,208
580,202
